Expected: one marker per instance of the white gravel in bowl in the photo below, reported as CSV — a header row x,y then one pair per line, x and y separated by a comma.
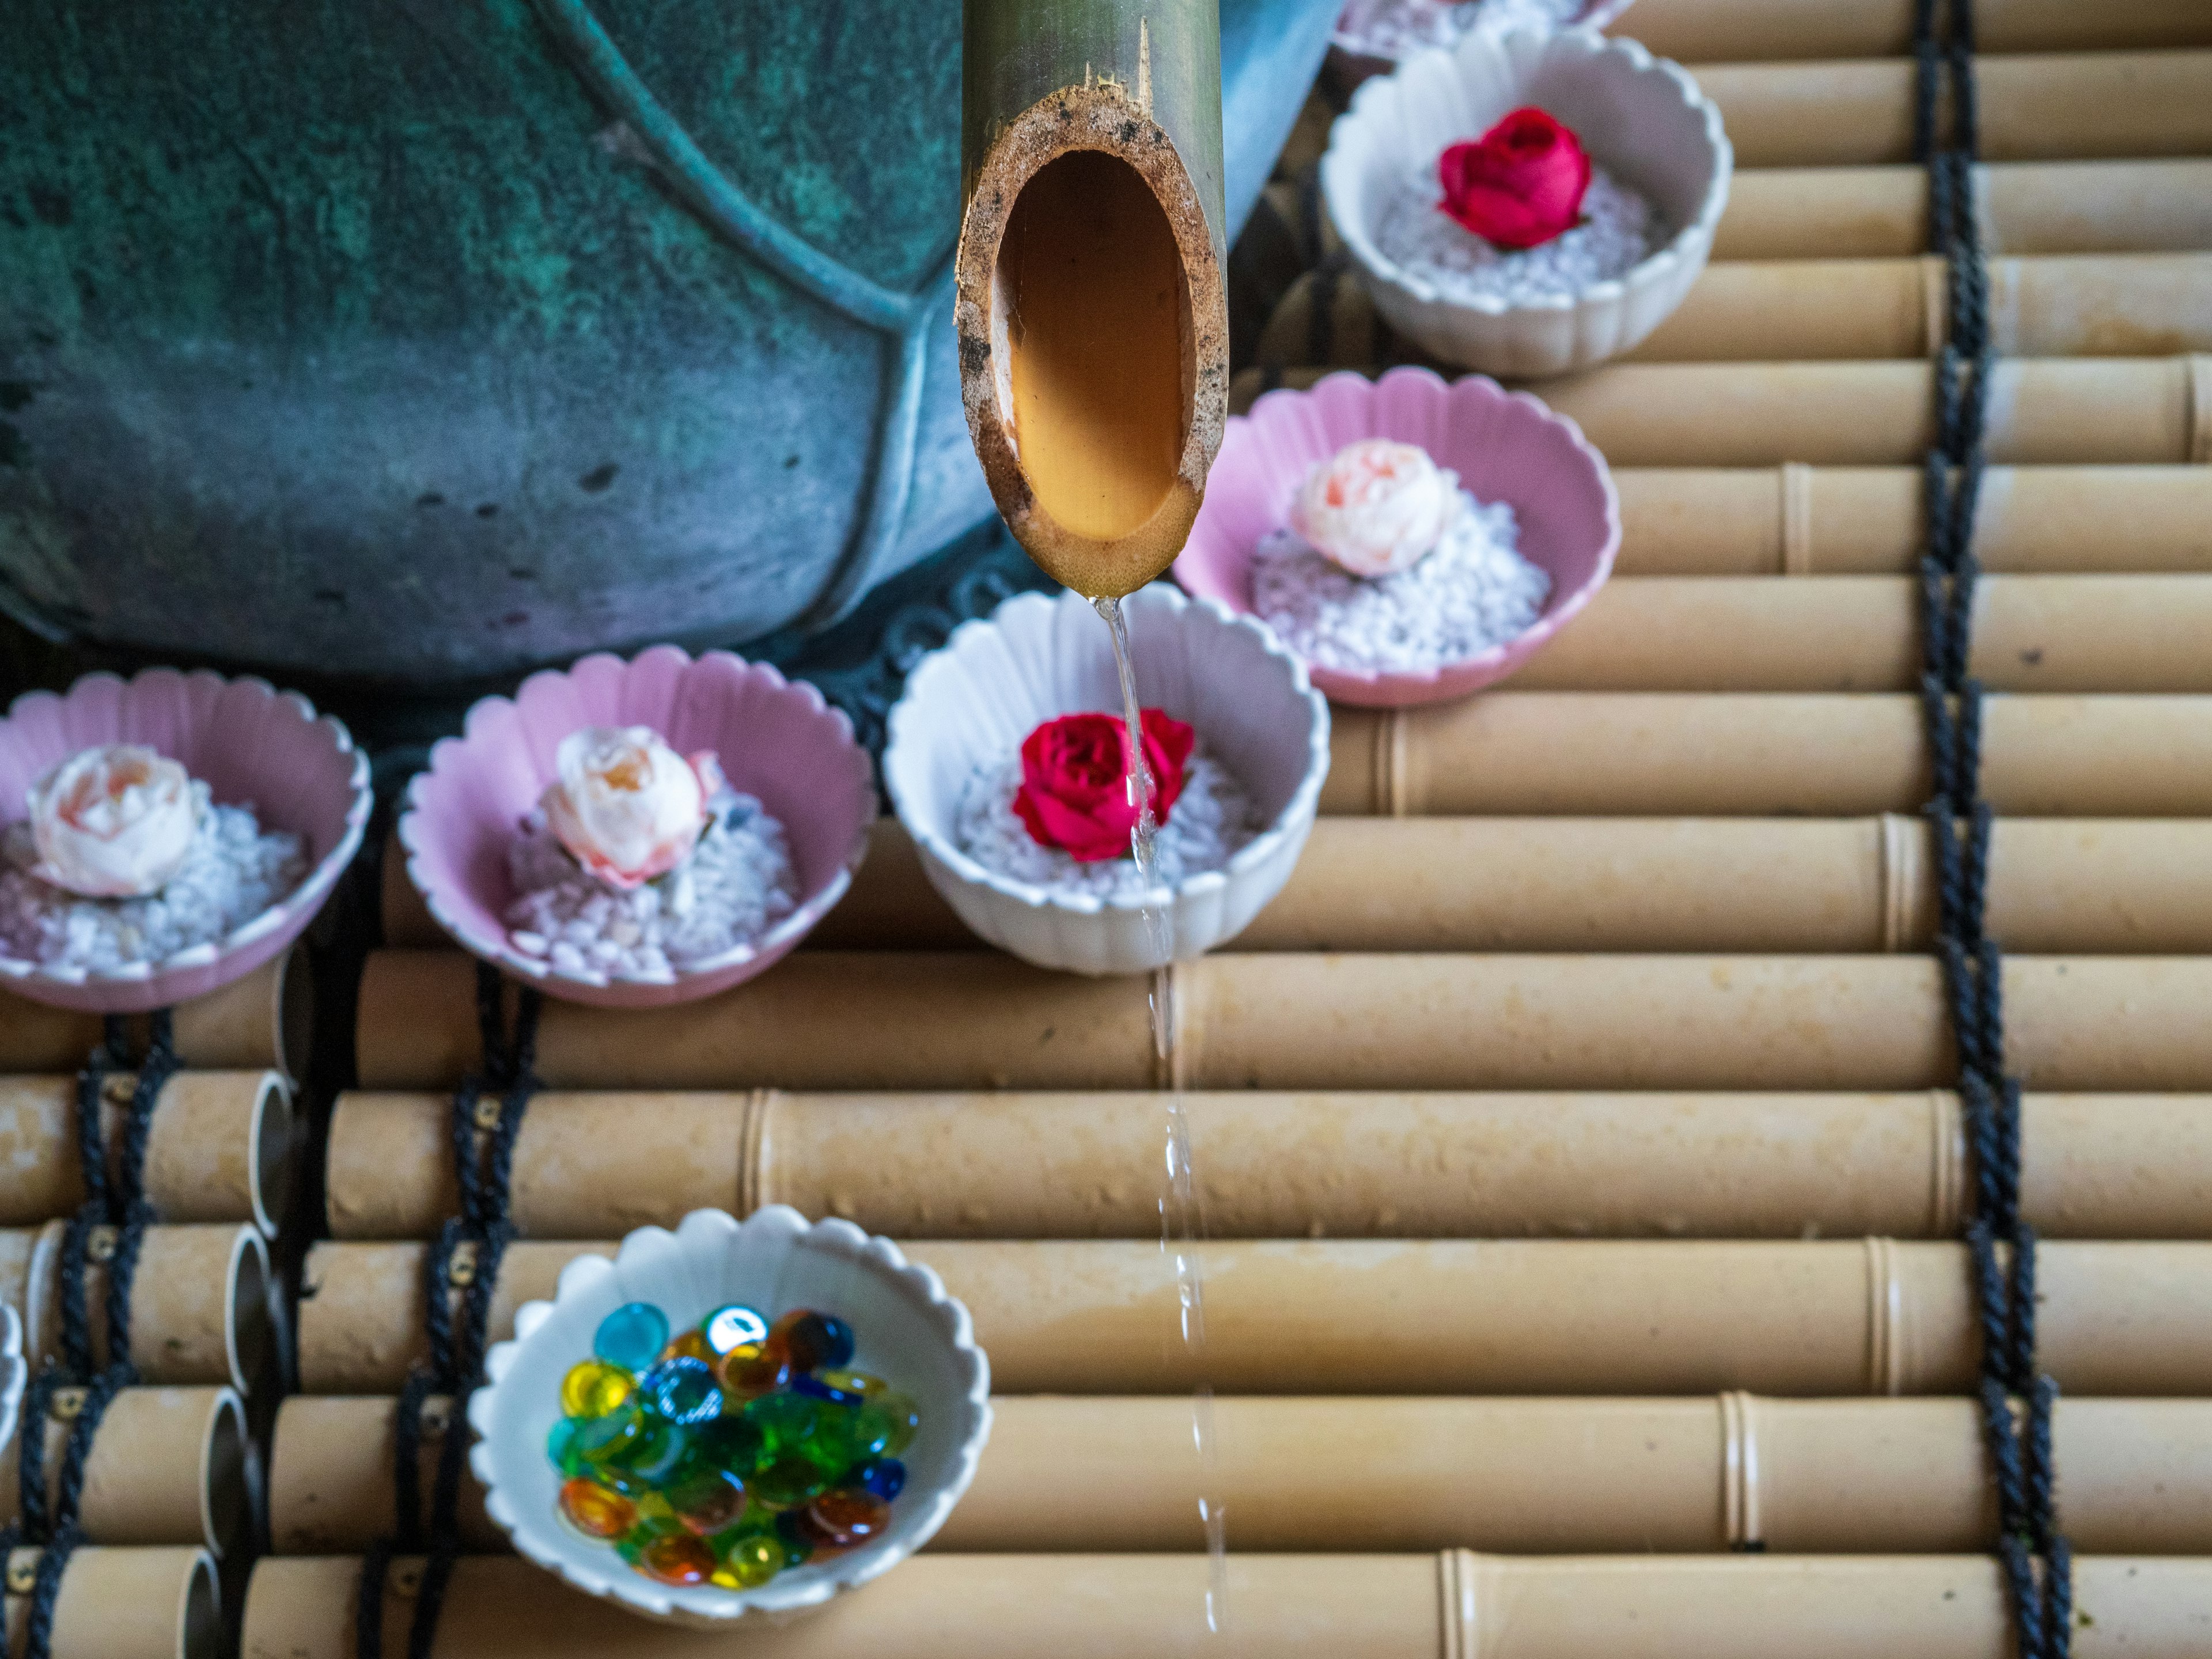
x,y
1392,28
233,871
1618,231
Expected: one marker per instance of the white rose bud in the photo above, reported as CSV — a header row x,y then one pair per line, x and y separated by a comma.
x,y
628,807
1377,507
114,822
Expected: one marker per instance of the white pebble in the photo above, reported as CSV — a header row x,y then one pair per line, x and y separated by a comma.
x,y
1617,233
1392,28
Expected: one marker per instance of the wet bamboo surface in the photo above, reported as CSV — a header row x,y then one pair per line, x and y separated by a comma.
x,y
1544,1475
1081,1165
1458,1606
1436,1316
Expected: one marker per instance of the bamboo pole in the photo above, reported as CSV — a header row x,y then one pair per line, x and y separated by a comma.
x,y
126,1604
1288,1166
1436,1317
1747,31
199,1303
1851,112
1541,753
167,1466
257,1023
218,1147
1458,1606
2025,208
1800,520
1094,332
1550,1476
2106,411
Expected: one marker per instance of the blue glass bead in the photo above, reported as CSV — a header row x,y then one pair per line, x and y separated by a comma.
x,y
820,1388
632,1336
733,1326
883,1476
684,1390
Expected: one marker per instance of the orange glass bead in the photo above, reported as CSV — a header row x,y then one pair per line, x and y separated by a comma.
x,y
677,1558
593,1510
848,1517
750,1369
690,1344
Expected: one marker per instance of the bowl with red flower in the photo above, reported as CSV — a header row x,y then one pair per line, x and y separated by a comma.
x,y
631,833
1528,202
1009,764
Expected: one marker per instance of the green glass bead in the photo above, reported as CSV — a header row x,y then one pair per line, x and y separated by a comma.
x,y
604,1440
905,1420
786,1421
752,1560
730,1442
787,1477
561,1449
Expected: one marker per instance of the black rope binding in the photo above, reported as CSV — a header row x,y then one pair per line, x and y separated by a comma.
x,y
107,1231
487,1117
2016,1400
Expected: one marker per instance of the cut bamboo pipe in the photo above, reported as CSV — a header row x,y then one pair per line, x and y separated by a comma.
x,y
1800,521
258,1023
1742,31
1541,753
218,1147
199,1303
127,1604
1436,1317
2027,208
1088,298
1559,1476
2106,411
1851,113
2090,304
2058,887
167,1466
1288,1166
977,1020
1459,1605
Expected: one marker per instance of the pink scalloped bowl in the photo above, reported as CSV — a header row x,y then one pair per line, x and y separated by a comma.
x,y
777,742
1505,446
250,743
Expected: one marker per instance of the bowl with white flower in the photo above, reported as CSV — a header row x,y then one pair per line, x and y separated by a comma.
x,y
1409,539
631,833
1372,37
163,835
1008,763
1528,202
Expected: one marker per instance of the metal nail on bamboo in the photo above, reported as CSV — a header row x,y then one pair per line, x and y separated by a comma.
x,y
167,1466
831,1020
1093,331
1436,1317
218,1148
1081,1165
1316,1606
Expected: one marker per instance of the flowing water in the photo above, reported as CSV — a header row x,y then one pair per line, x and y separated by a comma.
x,y
1183,1209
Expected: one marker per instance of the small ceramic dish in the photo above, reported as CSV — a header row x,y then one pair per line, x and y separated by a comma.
x,y
15,1373
1505,446
1037,657
1366,43
777,741
1641,118
908,1331
249,743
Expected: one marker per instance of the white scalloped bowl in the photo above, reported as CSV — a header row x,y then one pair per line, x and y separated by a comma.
x,y
1642,119
248,742
906,1330
1037,657
15,1373
1355,57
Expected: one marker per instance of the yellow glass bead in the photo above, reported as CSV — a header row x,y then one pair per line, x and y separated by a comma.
x,y
690,1344
594,1389
594,1511
654,1509
752,1561
860,1382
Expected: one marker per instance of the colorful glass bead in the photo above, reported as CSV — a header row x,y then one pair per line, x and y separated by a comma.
x,y
657,1455
856,1382
561,1445
604,1440
729,1442
684,1390
750,1371
593,1510
632,1336
786,1479
883,1476
708,1501
688,1345
677,1558
733,1326
905,1421
846,1517
821,1388
796,1536
752,1560
594,1389
813,1340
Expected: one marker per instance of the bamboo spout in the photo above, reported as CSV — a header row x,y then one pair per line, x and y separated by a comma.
x,y
1094,333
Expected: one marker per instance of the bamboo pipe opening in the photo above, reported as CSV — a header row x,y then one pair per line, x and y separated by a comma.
x,y
249,1335
226,1507
199,1619
271,1170
1091,315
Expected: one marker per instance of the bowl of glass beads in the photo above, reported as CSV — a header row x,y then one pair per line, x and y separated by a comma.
x,y
732,1422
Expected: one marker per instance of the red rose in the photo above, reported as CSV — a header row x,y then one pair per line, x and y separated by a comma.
x,y
1519,184
1075,772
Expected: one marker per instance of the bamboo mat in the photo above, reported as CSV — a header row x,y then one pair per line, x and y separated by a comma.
x,y
1507,1296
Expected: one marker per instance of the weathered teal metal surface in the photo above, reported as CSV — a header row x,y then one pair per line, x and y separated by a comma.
x,y
431,339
